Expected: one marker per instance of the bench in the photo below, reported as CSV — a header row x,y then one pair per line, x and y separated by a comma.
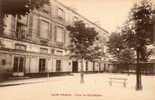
x,y
118,80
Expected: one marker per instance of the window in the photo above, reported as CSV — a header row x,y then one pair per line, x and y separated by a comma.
x,y
52,51
20,31
60,13
35,24
7,23
21,27
44,29
19,64
3,62
59,34
69,63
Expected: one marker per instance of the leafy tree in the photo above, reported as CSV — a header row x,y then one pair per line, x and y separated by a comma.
x,y
127,56
115,44
82,43
119,50
18,8
138,34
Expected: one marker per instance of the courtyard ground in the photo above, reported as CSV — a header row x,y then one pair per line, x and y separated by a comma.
x,y
96,87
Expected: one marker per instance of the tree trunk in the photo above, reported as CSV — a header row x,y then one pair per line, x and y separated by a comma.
x,y
138,72
82,72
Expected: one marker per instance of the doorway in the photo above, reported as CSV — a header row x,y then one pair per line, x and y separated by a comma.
x,y
74,66
58,65
42,65
19,65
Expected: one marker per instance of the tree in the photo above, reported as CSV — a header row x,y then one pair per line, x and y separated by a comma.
x,y
18,8
82,43
138,34
119,50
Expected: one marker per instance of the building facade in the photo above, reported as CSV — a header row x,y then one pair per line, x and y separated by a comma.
x,y
38,42
152,59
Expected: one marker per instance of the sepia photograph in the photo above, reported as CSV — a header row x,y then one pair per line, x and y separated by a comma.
x,y
77,49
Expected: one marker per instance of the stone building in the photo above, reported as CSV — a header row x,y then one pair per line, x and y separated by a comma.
x,y
152,59
37,43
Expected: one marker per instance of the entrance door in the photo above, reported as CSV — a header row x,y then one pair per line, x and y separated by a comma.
x,y
58,65
42,65
75,66
86,66
19,65
93,66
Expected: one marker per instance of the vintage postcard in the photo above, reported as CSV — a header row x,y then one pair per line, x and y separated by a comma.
x,y
77,49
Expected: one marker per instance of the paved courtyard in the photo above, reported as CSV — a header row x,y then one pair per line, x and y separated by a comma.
x,y
96,87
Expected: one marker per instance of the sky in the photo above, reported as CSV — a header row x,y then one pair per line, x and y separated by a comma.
x,y
109,14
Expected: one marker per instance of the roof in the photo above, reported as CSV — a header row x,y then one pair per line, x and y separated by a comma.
x,y
81,16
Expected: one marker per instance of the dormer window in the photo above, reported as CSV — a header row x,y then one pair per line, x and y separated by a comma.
x,y
60,13
75,19
46,9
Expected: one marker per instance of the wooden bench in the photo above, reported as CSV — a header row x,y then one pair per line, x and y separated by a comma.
x,y
118,80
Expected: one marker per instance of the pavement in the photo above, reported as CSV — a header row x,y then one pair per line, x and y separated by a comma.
x,y
22,82
27,80
95,87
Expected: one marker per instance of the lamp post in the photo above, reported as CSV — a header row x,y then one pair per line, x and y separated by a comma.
x,y
118,51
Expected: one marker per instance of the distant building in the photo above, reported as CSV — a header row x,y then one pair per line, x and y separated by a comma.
x,y
38,43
